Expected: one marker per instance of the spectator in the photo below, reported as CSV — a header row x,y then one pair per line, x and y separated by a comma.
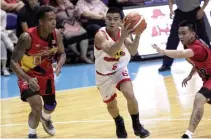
x,y
92,13
73,32
11,5
6,43
27,16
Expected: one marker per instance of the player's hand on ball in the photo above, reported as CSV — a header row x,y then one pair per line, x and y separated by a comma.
x,y
33,84
185,81
126,31
158,49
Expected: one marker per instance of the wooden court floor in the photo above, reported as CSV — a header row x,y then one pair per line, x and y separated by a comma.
x,y
165,108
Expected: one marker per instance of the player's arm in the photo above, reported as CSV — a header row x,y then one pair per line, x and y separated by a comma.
x,y
179,53
175,53
205,4
192,72
132,46
101,42
61,56
24,43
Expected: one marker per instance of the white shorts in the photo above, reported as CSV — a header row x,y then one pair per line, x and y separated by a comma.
x,y
107,84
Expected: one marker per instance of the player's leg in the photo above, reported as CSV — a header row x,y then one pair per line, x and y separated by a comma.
x,y
48,107
108,94
35,103
201,98
119,121
124,84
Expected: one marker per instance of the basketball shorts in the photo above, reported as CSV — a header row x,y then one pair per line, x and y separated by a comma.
x,y
107,84
46,85
206,90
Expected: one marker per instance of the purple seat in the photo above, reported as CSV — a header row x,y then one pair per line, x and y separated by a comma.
x,y
11,21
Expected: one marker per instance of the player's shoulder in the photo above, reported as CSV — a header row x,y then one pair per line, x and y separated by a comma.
x,y
25,36
100,35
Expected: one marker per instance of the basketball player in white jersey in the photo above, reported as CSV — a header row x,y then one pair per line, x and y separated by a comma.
x,y
113,48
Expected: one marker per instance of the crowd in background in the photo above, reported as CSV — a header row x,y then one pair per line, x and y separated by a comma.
x,y
78,21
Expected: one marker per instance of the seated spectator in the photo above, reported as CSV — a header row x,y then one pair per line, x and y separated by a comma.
x,y
27,16
92,14
74,34
11,5
6,43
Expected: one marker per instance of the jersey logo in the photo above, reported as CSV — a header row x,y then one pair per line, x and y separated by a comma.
x,y
37,60
119,54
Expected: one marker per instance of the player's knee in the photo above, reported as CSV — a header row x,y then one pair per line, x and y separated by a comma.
x,y
112,104
37,109
129,96
200,100
50,106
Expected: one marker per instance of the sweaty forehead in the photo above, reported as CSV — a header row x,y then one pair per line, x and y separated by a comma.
x,y
113,15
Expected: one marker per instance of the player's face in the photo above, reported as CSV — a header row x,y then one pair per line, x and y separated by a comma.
x,y
113,21
49,22
185,35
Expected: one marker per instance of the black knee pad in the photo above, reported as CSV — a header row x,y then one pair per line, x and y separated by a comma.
x,y
206,93
49,102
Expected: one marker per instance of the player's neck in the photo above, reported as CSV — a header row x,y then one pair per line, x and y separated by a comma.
x,y
43,35
113,33
191,41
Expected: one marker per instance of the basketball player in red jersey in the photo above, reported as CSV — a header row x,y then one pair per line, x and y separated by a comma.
x,y
199,55
113,50
32,63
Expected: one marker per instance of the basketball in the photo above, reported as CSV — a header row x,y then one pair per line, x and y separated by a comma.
x,y
137,21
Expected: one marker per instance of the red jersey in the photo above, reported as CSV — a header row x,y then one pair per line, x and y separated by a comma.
x,y
37,61
201,59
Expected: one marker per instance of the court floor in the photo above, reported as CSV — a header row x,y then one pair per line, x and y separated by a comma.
x,y
165,106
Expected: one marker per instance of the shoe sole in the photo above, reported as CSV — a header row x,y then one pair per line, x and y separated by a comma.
x,y
147,135
46,130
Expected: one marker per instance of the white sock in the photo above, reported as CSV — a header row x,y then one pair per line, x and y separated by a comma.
x,y
46,116
32,131
189,133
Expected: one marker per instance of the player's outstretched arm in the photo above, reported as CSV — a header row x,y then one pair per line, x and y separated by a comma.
x,y
174,53
24,43
101,42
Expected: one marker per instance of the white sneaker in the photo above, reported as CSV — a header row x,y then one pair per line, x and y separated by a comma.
x,y
6,72
48,126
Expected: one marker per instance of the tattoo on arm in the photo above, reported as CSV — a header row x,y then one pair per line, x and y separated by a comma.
x,y
24,43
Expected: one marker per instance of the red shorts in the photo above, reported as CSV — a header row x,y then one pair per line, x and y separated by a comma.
x,y
47,87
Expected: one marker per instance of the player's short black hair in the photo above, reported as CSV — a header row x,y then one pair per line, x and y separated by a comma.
x,y
190,24
42,10
116,10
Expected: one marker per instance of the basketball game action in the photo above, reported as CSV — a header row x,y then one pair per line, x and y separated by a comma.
x,y
115,97
113,47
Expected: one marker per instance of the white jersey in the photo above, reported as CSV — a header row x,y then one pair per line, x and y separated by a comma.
x,y
105,64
